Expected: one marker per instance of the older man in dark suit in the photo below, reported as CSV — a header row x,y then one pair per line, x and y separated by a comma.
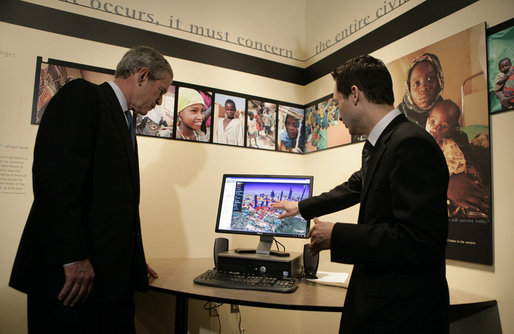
x,y
398,283
81,254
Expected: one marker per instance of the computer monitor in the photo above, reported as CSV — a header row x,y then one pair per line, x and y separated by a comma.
x,y
245,207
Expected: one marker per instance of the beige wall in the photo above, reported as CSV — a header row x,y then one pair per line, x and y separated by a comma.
x,y
246,24
180,181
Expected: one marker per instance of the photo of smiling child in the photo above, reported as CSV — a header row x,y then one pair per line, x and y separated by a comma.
x,y
191,113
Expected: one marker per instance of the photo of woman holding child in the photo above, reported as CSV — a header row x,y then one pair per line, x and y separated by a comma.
x,y
452,107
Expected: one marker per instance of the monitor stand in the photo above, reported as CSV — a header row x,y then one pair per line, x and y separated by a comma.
x,y
264,248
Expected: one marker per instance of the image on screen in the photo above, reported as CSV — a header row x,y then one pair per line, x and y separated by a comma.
x,y
246,205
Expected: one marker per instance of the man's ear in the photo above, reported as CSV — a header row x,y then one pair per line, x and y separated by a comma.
x,y
143,75
355,94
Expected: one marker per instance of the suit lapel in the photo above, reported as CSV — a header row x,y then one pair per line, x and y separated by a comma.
x,y
124,132
378,153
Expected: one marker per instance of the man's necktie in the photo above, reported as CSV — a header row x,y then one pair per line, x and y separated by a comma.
x,y
366,155
131,128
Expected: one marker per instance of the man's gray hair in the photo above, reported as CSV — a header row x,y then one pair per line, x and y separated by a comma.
x,y
143,57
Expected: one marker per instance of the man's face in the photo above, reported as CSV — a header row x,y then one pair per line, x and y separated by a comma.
x,y
230,109
292,130
149,93
424,85
345,111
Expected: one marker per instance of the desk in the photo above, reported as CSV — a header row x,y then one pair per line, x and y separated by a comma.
x,y
176,277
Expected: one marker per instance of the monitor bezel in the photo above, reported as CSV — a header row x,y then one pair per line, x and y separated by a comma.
x,y
277,176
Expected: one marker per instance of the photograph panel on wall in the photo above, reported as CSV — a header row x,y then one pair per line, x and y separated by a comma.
x,y
194,111
261,124
323,129
443,88
159,121
500,55
52,75
291,132
229,119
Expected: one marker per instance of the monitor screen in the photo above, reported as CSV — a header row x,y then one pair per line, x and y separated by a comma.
x,y
245,205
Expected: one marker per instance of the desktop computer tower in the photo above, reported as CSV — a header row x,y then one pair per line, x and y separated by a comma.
x,y
261,264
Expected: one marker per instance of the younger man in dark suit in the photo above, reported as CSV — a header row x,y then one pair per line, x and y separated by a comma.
x,y
398,283
81,254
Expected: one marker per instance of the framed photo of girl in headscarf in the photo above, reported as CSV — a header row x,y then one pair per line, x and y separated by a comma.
x,y
443,88
193,115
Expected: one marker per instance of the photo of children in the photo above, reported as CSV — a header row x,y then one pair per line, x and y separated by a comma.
x,y
159,121
193,115
323,128
229,120
261,123
443,88
291,134
52,77
500,50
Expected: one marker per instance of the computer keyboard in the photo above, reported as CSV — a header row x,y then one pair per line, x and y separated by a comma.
x,y
224,279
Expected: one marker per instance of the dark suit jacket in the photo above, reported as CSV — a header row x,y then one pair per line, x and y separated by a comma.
x,y
86,198
398,284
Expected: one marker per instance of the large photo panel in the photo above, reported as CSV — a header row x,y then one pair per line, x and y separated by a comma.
x,y
443,88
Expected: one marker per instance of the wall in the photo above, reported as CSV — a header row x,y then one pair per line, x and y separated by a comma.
x,y
226,24
333,24
180,181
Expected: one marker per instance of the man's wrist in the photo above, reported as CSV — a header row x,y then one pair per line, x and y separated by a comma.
x,y
69,264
